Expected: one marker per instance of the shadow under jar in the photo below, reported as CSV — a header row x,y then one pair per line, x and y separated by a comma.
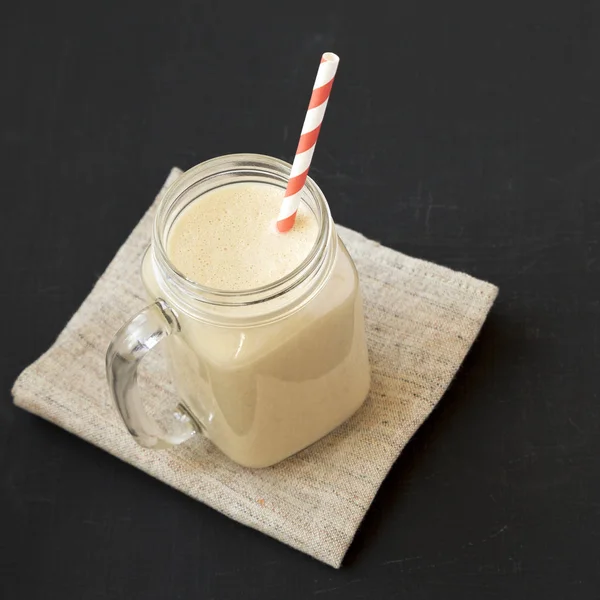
x,y
262,373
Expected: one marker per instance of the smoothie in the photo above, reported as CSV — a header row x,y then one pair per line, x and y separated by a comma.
x,y
263,389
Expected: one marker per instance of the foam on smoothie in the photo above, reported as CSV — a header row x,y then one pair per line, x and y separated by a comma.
x,y
227,238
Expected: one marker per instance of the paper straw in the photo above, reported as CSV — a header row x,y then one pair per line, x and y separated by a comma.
x,y
308,140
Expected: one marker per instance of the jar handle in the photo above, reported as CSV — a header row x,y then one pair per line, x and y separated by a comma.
x,y
129,346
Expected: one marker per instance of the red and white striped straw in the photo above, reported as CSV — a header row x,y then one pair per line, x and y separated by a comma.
x,y
308,140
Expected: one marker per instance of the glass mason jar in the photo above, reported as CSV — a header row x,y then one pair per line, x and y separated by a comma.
x,y
262,373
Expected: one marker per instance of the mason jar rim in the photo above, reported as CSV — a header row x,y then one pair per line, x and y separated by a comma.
x,y
252,164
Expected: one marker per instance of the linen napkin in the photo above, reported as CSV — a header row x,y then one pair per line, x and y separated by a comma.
x,y
421,320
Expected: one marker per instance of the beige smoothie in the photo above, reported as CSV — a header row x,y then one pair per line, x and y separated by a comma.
x,y
263,389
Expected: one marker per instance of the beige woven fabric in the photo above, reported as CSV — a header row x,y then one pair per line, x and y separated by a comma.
x,y
421,321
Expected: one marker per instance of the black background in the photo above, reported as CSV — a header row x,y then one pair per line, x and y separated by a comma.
x,y
463,133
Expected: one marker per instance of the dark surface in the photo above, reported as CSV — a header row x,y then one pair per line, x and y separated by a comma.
x,y
458,133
